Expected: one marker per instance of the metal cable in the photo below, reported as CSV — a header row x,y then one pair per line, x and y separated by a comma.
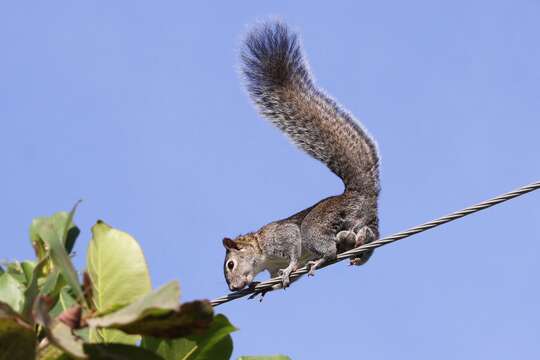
x,y
267,285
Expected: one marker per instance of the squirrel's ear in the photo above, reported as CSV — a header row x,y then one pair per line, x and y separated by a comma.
x,y
230,244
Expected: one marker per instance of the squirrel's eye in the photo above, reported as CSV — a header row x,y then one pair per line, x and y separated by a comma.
x,y
230,264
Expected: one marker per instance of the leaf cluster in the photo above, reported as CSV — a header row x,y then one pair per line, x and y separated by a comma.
x,y
49,312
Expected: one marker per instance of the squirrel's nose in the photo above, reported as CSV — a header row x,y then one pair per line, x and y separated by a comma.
x,y
234,287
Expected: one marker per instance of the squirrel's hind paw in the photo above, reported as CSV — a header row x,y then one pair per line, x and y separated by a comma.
x,y
345,240
365,236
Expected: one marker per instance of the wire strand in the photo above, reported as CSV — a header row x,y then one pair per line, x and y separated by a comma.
x,y
268,285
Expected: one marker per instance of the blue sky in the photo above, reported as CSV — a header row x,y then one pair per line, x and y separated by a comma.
x,y
137,108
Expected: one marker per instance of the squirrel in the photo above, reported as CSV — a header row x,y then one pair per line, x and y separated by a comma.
x,y
279,83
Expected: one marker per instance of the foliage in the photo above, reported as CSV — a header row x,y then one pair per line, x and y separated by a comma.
x,y
48,313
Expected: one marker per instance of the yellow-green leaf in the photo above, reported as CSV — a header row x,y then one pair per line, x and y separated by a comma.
x,y
157,303
65,229
119,276
32,289
158,314
11,292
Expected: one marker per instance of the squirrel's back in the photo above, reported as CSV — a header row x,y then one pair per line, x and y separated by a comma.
x,y
279,82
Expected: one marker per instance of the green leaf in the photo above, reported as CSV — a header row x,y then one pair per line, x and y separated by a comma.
x,y
215,343
40,248
60,258
28,270
52,284
159,314
32,290
16,271
159,302
191,318
210,346
51,352
64,302
71,232
177,349
58,333
118,274
222,349
11,292
68,233
17,338
119,352
83,333
273,357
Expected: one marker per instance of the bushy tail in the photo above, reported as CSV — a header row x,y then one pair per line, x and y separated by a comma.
x,y
279,82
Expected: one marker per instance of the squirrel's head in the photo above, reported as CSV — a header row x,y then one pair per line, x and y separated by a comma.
x,y
242,262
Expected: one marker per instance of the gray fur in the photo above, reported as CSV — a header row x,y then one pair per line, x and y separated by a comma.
x,y
279,82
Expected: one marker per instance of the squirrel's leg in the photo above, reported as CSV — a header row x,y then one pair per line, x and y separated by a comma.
x,y
364,236
263,292
319,234
320,242
274,273
287,235
285,273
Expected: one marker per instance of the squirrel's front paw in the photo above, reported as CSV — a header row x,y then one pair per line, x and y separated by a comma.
x,y
285,276
261,293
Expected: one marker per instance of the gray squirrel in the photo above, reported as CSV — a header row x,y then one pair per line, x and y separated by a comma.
x,y
279,82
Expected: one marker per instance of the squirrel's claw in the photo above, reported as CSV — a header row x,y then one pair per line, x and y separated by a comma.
x,y
364,236
265,291
357,261
252,286
285,280
314,264
261,293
